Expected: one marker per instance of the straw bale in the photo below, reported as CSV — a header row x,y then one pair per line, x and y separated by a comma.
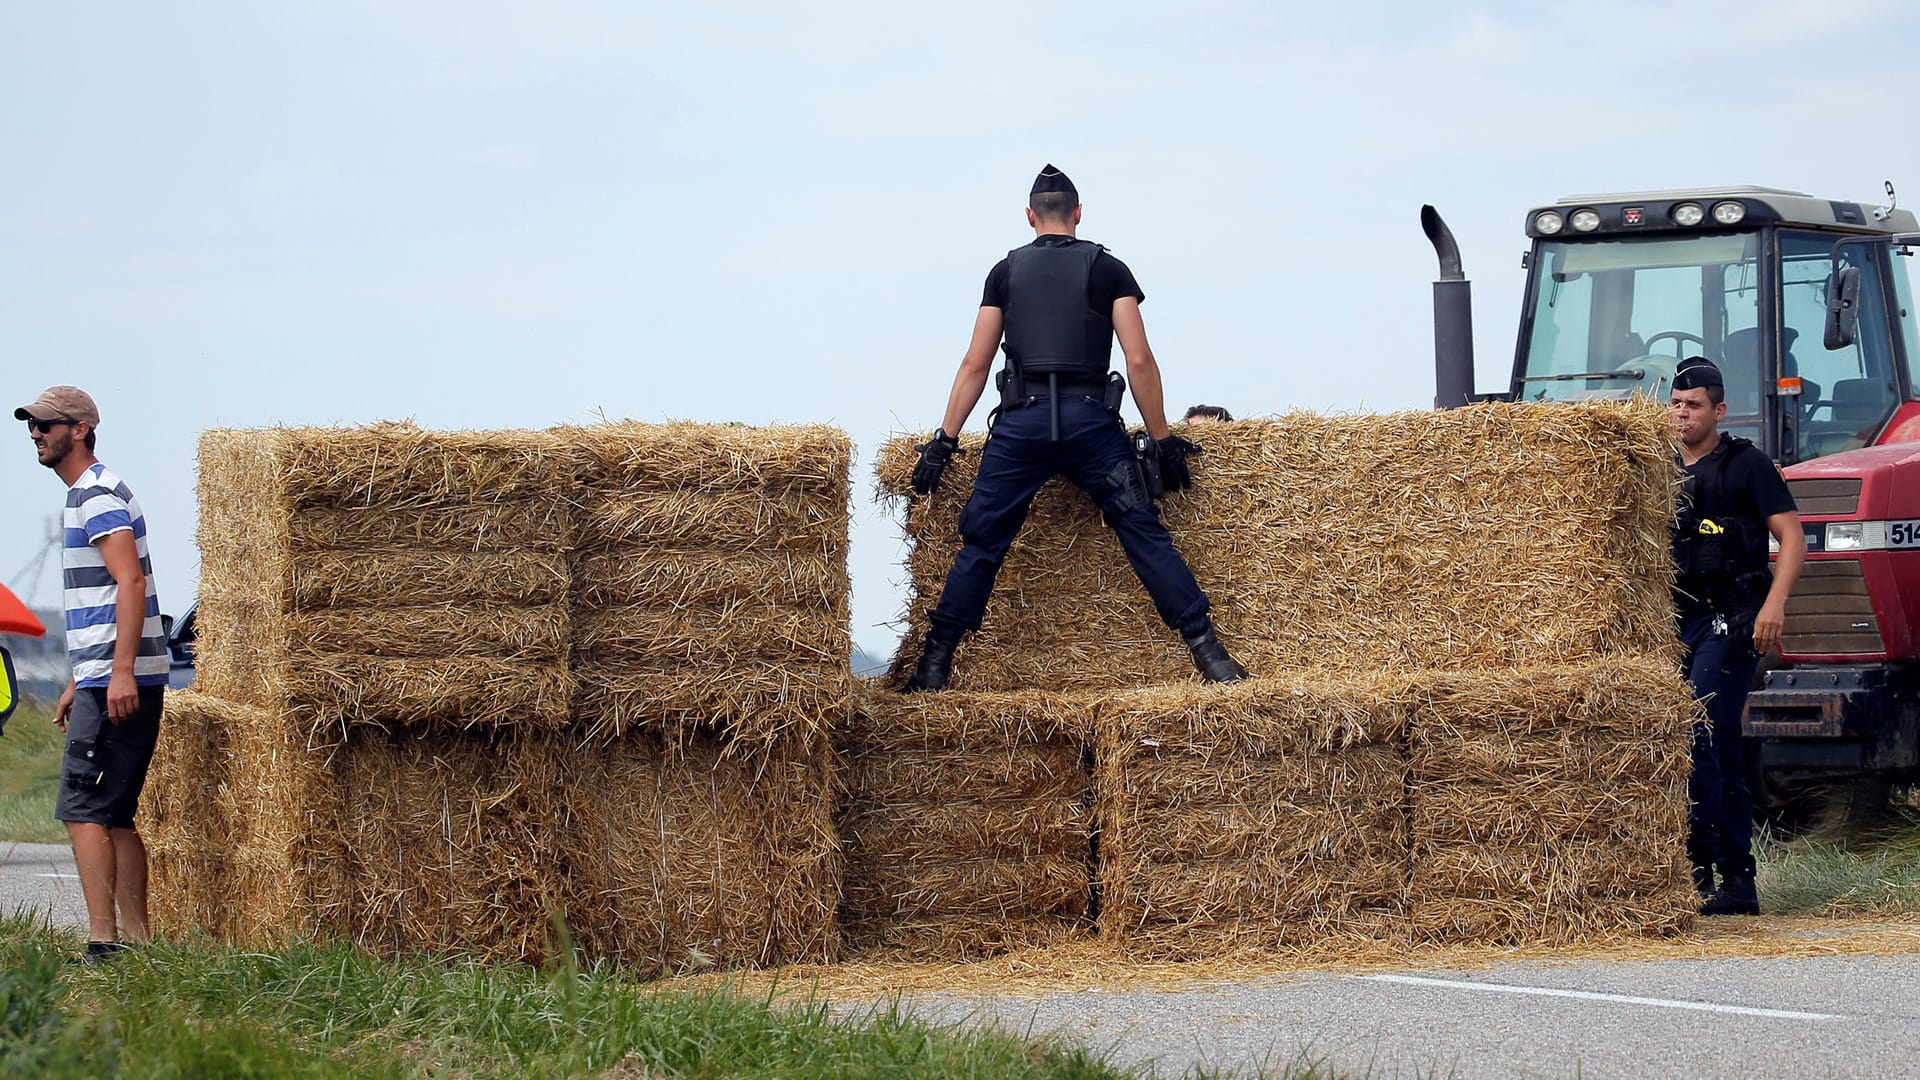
x,y
1549,804
1338,541
968,823
639,457
448,840
717,637
180,822
683,855
386,574
1269,814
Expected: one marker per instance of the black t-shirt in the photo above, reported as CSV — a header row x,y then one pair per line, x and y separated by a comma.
x,y
1753,490
1110,280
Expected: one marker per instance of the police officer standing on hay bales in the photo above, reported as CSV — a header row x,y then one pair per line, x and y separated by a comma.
x,y
1730,610
1060,301
111,709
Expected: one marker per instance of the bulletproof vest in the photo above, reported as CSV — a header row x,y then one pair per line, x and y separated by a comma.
x,y
1719,547
1049,326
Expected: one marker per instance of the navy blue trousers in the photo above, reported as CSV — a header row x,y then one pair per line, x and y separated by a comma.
x,y
1095,454
1720,819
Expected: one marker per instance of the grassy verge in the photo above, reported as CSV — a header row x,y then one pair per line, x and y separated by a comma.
x,y
326,1011
1846,873
29,772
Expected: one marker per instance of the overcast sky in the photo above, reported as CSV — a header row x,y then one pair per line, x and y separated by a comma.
x,y
485,215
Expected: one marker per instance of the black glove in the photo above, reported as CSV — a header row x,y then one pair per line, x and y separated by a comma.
x,y
934,455
1173,462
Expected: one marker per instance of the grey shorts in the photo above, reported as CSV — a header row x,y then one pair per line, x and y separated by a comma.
x,y
105,765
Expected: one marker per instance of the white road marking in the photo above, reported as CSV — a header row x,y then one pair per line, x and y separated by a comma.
x,y
70,877
1588,995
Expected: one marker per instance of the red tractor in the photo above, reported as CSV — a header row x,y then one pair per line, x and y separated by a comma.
x,y
1804,306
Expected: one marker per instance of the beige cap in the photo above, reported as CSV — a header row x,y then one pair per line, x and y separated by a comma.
x,y
61,403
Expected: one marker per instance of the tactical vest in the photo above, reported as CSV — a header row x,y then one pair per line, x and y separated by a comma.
x,y
1719,548
1050,329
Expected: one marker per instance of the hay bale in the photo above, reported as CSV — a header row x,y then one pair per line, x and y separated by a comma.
x,y
968,823
180,820
682,855
710,589
1266,815
386,574
1549,804
1475,538
449,840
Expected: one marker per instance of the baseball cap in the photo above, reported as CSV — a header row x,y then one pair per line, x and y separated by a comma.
x,y
61,403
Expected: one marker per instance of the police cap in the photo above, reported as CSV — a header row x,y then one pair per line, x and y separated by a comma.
x,y
1052,179
1695,372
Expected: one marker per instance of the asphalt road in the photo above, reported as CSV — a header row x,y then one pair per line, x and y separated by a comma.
x,y
40,877
1830,1016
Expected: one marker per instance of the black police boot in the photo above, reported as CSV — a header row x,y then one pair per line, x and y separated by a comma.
x,y
1736,896
1211,658
936,664
1703,881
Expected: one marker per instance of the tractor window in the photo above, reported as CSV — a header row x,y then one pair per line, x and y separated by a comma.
x,y
1615,317
1846,394
1909,329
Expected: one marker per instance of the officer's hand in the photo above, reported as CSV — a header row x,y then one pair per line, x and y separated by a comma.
x,y
1173,462
934,455
1767,626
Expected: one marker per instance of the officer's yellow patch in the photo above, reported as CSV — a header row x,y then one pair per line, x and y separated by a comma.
x,y
1709,528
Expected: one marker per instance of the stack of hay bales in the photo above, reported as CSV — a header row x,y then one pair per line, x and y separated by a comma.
x,y
1378,573
969,823
391,645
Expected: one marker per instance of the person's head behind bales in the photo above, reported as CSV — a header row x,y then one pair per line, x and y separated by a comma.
x,y
1207,414
1053,199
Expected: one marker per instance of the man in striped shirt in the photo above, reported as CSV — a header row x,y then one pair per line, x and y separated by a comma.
x,y
111,709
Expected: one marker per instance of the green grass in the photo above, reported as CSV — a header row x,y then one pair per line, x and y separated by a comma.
x,y
1839,872
29,774
324,1011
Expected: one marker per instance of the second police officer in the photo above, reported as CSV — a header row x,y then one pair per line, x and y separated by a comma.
x,y
1059,302
1730,610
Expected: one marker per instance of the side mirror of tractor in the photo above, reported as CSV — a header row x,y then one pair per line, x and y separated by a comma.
x,y
1843,307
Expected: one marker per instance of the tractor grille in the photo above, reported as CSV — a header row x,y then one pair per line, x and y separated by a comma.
x,y
1829,611
1828,498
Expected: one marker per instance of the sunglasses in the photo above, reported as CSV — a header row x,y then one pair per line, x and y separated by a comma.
x,y
44,427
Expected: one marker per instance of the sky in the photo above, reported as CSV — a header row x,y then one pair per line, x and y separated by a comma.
x,y
483,215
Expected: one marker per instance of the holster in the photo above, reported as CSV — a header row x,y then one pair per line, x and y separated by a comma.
x,y
1146,456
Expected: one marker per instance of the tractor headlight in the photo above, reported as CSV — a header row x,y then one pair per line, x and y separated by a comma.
x,y
1547,222
1729,212
1585,220
1688,213
1845,536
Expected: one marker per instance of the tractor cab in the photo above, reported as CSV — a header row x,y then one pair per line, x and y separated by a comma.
x,y
1621,288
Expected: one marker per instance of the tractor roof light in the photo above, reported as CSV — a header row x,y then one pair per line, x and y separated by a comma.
x,y
1688,213
1548,223
1585,220
1729,212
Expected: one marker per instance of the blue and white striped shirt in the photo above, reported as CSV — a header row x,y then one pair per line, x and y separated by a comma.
x,y
98,505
